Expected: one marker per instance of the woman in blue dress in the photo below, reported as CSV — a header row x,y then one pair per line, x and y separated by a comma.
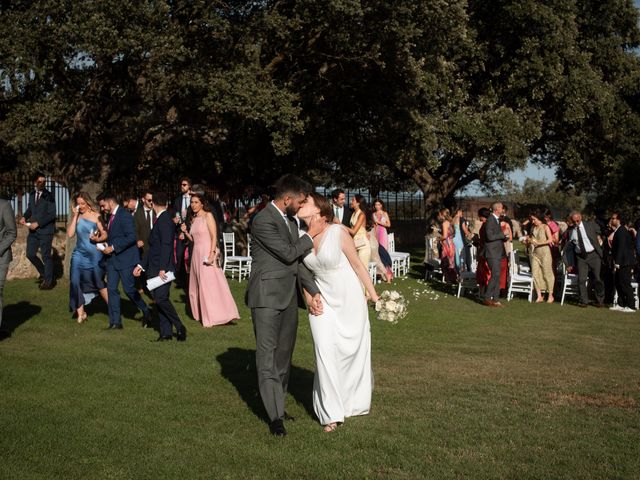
x,y
87,276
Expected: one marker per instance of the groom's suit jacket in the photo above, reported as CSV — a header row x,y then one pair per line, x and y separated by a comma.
x,y
277,271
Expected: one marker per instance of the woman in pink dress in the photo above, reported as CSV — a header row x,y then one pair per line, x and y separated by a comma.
x,y
209,295
382,221
448,249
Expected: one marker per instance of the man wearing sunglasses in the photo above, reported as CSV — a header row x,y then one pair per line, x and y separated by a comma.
x,y
181,213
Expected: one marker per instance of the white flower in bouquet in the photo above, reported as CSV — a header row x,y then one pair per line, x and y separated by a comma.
x,y
391,306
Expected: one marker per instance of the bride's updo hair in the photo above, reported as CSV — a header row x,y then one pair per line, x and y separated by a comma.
x,y
323,204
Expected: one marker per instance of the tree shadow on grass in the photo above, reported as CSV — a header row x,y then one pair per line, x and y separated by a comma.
x,y
15,315
238,366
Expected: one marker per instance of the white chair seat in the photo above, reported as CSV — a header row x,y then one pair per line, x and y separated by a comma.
x,y
240,264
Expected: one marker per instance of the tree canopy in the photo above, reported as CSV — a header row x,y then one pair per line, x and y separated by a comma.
x,y
385,94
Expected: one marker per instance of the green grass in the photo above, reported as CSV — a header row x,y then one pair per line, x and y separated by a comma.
x,y
461,391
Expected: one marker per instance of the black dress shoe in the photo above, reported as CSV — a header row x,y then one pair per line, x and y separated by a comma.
x,y
288,417
164,338
146,320
46,286
277,428
181,336
582,305
115,327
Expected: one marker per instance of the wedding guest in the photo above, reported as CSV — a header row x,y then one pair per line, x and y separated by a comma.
x,y
181,214
382,221
587,246
144,218
132,203
483,273
255,209
8,234
158,262
341,214
540,243
86,278
467,236
447,250
209,294
40,218
494,253
508,248
622,249
121,255
458,242
358,228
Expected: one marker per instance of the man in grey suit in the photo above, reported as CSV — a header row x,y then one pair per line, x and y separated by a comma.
x,y
493,252
586,241
273,293
7,237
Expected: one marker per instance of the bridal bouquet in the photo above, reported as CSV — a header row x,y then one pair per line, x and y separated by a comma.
x,y
391,306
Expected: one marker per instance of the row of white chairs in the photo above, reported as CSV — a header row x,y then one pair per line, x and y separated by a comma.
x,y
240,265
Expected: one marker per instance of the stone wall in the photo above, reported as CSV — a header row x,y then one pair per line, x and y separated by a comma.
x,y
21,266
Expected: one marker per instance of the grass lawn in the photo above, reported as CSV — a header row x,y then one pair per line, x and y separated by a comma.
x,y
461,391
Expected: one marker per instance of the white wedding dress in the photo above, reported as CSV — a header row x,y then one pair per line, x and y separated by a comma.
x,y
343,381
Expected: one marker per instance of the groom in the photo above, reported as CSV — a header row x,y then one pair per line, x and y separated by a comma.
x,y
273,292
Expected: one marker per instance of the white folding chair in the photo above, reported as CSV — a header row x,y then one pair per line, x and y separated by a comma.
x,y
400,261
431,259
634,286
519,282
467,276
240,264
373,272
570,283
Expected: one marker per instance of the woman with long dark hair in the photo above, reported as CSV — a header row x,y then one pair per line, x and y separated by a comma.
x,y
358,228
209,295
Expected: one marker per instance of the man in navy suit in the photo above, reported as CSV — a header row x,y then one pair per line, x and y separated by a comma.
x,y
121,254
40,218
158,262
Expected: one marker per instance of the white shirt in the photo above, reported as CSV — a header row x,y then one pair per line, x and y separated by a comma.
x,y
588,246
150,211
339,212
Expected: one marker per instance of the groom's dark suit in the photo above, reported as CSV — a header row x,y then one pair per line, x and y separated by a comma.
x,y
273,296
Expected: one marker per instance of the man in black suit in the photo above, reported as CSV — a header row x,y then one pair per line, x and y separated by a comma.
x,y
40,218
622,250
158,262
341,213
181,214
493,251
586,241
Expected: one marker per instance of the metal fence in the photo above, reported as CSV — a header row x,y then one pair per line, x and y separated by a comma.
x,y
17,189
399,205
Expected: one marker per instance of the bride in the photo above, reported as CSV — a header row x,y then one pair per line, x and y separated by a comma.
x,y
343,381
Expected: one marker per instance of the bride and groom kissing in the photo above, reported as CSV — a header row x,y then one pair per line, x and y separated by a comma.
x,y
319,268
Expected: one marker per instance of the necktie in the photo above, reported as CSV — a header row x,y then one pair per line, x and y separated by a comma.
x,y
583,250
336,212
110,221
148,213
37,197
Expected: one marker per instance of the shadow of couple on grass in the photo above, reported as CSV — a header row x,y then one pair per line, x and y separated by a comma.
x,y
238,366
15,315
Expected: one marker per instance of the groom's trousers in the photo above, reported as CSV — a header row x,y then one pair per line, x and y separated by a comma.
x,y
275,332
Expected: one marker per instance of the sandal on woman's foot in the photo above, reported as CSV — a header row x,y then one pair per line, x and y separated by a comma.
x,y
330,428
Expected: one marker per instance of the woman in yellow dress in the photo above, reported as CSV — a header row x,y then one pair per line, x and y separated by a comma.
x,y
358,229
539,243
